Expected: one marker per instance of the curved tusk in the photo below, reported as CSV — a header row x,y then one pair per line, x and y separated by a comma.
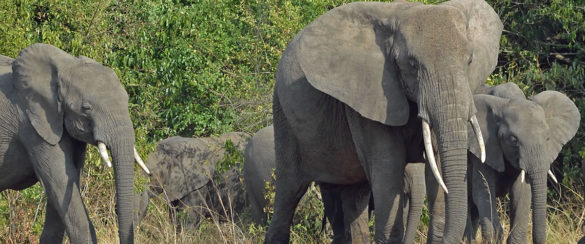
x,y
140,162
104,153
431,155
479,137
552,177
522,176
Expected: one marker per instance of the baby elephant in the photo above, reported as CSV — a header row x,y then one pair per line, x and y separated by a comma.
x,y
184,170
523,136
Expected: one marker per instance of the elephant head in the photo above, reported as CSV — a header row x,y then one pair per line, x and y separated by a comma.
x,y
378,57
62,95
525,136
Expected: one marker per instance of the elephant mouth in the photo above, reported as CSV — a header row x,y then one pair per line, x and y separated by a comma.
x,y
431,156
103,151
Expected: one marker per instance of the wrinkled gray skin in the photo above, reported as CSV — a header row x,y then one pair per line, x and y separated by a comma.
x,y
349,88
183,170
520,133
52,105
345,205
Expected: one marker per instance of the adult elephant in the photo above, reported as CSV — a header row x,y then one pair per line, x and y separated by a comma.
x,y
345,205
51,106
522,138
352,83
184,169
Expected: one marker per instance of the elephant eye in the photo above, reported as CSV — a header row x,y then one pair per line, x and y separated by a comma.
x,y
513,140
470,59
86,107
413,62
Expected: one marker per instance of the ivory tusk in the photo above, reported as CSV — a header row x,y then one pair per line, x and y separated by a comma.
x,y
522,176
140,162
479,137
104,153
552,177
431,155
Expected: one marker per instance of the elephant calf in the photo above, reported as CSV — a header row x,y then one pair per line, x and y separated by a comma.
x,y
184,170
523,136
345,205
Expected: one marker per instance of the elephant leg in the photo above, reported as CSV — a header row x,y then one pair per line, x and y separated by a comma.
x,y
415,191
484,197
55,167
381,150
472,223
289,192
520,199
355,201
333,211
291,184
54,230
436,202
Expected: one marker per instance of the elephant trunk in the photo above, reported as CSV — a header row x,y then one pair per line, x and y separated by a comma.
x,y
122,151
454,169
447,104
538,188
416,202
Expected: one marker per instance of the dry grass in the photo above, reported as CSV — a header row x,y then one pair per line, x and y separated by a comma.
x,y
22,215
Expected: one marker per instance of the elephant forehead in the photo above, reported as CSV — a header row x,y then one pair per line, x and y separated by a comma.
x,y
524,115
439,29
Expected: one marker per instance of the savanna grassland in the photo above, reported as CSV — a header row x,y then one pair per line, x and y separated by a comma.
x,y
201,68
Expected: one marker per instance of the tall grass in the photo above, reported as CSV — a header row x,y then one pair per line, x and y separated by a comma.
x,y
25,217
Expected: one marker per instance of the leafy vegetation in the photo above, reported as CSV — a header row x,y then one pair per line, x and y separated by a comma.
x,y
204,67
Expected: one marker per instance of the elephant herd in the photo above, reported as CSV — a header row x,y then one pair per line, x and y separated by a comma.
x,y
380,104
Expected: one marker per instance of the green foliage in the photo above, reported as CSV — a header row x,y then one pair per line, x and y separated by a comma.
x,y
232,158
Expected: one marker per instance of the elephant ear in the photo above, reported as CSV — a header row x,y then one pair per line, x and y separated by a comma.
x,y
507,90
343,54
182,165
562,117
488,108
36,78
484,29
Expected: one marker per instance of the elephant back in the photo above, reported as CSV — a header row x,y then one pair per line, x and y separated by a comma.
x,y
181,165
239,139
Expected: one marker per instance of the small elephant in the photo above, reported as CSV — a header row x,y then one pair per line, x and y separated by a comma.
x,y
345,205
523,136
52,105
184,170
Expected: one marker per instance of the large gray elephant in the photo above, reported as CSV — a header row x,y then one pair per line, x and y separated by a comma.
x,y
353,89
345,205
51,106
522,138
184,174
